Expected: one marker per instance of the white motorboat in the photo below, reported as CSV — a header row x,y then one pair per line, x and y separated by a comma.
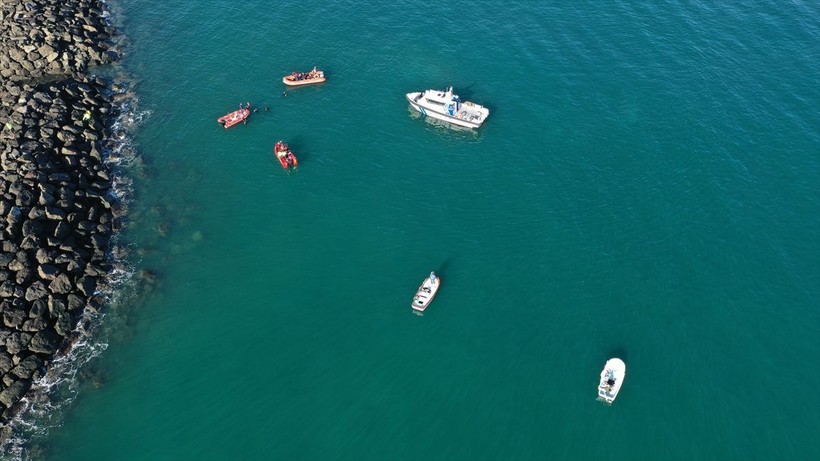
x,y
612,378
426,292
446,106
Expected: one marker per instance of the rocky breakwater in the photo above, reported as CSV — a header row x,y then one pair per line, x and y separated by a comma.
x,y
56,214
52,37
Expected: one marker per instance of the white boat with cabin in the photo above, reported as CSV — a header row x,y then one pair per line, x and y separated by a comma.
x,y
426,292
446,106
612,378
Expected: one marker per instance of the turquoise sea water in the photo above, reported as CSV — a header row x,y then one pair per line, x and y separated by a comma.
x,y
647,186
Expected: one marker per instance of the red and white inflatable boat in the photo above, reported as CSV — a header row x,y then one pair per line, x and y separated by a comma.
x,y
234,117
285,156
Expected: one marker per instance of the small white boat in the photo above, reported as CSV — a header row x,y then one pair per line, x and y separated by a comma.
x,y
446,106
612,378
426,292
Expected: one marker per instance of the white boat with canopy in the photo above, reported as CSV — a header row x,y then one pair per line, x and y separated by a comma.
x,y
612,378
446,106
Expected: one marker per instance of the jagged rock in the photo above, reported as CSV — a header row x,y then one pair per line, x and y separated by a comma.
x,y
5,362
54,213
7,289
38,308
62,323
16,265
25,198
36,291
24,275
61,284
62,230
44,342
14,392
17,341
75,303
47,271
31,227
25,369
13,318
87,284
34,325
42,256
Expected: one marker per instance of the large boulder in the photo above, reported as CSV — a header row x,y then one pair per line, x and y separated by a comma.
x,y
61,284
36,291
26,368
14,392
17,341
87,284
75,303
47,271
6,362
44,342
13,317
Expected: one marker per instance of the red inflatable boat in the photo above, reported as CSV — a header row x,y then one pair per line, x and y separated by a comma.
x,y
234,117
285,156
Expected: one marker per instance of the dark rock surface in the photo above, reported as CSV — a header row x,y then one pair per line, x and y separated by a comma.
x,y
55,209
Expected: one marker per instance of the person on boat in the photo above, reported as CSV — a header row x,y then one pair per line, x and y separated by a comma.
x,y
432,277
281,149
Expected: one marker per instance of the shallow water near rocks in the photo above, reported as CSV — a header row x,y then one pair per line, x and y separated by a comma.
x,y
646,186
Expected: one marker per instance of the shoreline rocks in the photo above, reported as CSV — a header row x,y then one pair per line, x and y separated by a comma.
x,y
52,37
56,217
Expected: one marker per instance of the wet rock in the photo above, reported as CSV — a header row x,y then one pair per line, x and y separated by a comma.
x,y
87,285
14,392
75,303
45,342
25,369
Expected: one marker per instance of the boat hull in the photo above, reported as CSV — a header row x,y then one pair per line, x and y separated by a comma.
x,y
290,81
440,116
